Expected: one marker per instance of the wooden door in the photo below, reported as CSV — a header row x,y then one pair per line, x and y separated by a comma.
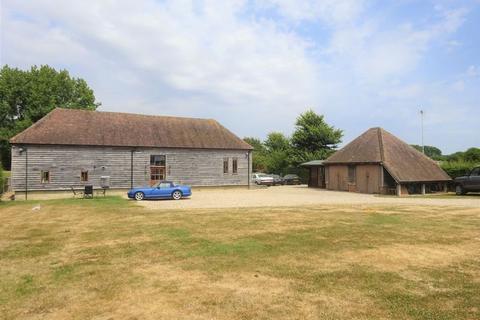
x,y
321,177
313,177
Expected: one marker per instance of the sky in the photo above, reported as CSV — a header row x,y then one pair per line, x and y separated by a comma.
x,y
256,65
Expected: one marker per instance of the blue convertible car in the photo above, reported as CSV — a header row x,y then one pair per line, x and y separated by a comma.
x,y
162,190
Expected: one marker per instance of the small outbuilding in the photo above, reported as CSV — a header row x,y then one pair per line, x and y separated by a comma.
x,y
316,174
378,162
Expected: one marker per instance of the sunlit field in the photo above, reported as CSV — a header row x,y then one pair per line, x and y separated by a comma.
x,y
110,259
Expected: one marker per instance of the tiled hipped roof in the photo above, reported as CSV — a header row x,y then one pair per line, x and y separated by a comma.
x,y
94,128
402,161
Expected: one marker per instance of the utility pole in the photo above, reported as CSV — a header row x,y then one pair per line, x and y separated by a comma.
x,y
423,145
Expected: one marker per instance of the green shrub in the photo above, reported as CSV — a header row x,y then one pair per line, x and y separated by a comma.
x,y
457,168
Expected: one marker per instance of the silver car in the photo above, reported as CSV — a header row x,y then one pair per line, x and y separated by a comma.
x,y
262,179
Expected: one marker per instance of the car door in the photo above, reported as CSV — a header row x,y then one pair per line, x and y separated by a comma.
x,y
155,191
474,180
165,189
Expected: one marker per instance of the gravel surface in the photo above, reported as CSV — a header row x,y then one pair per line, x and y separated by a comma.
x,y
291,196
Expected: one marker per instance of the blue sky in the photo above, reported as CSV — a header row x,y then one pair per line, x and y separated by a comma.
x,y
256,65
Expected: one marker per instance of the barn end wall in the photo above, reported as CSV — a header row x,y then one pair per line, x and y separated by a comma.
x,y
196,167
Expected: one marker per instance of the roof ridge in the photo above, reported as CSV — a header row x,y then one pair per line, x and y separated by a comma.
x,y
380,143
136,114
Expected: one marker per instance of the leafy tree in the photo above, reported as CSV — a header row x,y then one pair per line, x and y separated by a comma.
x,y
313,138
457,156
277,141
259,154
256,143
278,152
457,168
430,151
472,155
27,96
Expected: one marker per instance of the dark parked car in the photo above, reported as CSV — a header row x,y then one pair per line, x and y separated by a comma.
x,y
292,179
470,182
277,180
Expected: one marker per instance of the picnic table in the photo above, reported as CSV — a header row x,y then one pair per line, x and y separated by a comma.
x,y
88,191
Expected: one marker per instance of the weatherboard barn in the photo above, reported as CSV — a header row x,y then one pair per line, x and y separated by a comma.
x,y
378,162
72,148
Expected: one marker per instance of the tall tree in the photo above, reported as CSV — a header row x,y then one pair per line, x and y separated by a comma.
x,y
277,141
27,96
313,138
430,151
278,149
472,155
259,154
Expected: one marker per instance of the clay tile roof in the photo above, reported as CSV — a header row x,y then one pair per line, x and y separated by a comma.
x,y
94,128
402,161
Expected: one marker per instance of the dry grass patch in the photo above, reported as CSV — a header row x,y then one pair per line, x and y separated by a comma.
x,y
108,259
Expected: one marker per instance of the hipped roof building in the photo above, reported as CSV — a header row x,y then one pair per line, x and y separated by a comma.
x,y
377,162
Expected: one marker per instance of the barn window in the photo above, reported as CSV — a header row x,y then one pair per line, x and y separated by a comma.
x,y
157,168
225,165
352,174
84,176
45,176
234,166
157,160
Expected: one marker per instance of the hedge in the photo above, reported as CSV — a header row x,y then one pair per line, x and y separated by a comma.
x,y
457,168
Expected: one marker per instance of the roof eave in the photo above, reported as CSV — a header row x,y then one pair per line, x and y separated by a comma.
x,y
351,162
424,181
122,146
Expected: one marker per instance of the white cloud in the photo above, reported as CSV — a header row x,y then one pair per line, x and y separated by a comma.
x,y
233,61
333,12
473,71
205,51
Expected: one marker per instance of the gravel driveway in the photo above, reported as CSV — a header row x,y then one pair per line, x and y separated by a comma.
x,y
288,196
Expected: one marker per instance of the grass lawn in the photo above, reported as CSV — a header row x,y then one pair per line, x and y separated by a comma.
x,y
109,259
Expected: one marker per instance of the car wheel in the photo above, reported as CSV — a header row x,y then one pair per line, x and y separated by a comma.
x,y
459,190
139,196
177,195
